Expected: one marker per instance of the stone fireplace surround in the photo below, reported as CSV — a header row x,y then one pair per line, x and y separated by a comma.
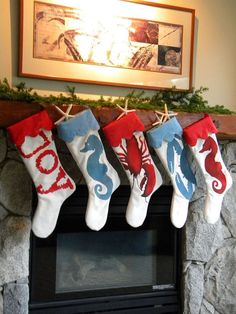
x,y
209,251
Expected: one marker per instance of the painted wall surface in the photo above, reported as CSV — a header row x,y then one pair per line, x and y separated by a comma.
x,y
214,53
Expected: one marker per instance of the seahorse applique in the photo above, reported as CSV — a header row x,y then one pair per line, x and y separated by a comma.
x,y
172,148
214,168
96,169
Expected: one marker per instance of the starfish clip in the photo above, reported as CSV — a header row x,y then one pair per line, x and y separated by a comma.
x,y
125,110
65,114
162,117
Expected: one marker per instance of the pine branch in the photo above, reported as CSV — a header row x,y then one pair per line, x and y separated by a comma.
x,y
176,100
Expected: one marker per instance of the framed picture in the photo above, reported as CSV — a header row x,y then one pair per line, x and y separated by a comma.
x,y
127,43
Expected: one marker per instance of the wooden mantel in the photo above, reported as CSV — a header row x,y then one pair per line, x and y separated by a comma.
x,y
14,111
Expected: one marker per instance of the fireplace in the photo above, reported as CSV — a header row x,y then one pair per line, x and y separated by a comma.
x,y
119,269
204,246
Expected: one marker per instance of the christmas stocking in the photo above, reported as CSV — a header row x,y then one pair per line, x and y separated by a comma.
x,y
33,139
82,139
168,145
127,140
201,138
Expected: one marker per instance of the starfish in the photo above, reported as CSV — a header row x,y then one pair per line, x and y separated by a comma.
x,y
65,115
125,110
164,116
159,121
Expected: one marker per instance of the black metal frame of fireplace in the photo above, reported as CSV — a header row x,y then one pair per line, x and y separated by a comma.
x,y
163,299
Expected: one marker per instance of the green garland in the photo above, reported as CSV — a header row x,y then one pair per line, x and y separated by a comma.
x,y
177,101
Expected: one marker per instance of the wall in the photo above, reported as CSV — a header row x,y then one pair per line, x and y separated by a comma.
x,y
215,47
209,281
15,226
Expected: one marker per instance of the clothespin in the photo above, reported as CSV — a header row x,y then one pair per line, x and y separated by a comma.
x,y
125,110
65,115
164,116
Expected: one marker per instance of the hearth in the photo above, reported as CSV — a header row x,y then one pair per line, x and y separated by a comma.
x,y
119,269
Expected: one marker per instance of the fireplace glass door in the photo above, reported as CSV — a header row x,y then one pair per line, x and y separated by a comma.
x,y
112,259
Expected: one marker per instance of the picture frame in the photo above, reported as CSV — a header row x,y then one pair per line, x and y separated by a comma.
x,y
128,43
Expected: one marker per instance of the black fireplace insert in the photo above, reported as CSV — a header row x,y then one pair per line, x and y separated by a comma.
x,y
118,269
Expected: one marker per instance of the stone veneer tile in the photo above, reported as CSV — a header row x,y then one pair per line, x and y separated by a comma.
x,y
15,188
14,248
202,239
16,298
3,146
228,207
14,155
229,156
1,301
193,288
220,279
3,214
207,308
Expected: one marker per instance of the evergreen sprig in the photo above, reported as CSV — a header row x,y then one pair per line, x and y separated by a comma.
x,y
176,100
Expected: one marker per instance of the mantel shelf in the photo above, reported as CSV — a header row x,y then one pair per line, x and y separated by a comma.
x,y
14,111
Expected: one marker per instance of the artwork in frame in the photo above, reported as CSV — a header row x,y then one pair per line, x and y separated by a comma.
x,y
127,43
